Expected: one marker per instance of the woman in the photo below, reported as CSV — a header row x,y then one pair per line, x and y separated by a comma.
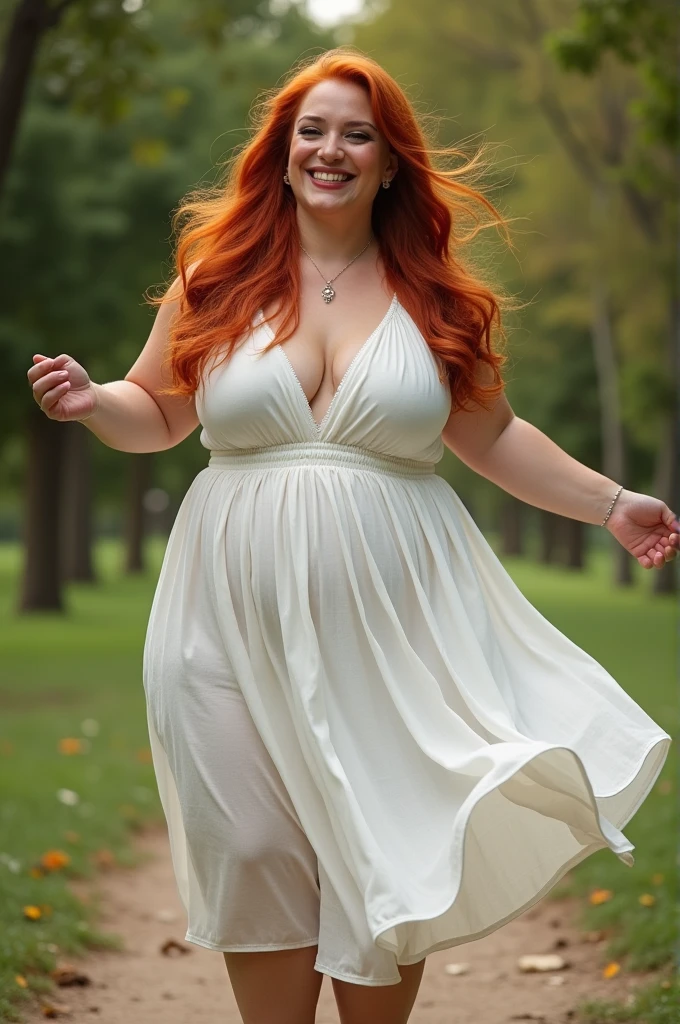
x,y
368,744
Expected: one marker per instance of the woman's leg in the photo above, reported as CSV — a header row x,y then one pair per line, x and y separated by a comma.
x,y
389,1004
276,987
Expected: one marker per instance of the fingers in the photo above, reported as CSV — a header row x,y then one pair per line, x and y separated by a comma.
x,y
670,519
49,388
656,558
45,365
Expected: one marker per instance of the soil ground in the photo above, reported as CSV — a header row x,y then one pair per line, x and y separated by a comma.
x,y
143,985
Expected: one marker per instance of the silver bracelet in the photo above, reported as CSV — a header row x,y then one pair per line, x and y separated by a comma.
x,y
609,510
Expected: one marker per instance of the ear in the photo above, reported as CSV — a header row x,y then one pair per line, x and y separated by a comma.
x,y
392,165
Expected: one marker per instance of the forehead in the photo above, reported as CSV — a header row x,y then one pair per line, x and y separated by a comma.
x,y
336,100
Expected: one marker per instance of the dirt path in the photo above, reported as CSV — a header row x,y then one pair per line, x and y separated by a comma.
x,y
144,986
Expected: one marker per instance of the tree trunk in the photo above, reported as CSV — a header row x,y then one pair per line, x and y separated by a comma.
x,y
667,475
139,481
41,582
77,533
613,438
512,525
574,543
549,537
29,20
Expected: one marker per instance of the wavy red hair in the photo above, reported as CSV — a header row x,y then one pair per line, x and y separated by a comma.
x,y
238,247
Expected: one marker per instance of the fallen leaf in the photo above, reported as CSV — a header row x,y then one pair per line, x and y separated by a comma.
x,y
541,962
596,936
103,858
611,970
600,896
67,974
171,946
456,968
20,980
54,859
54,1009
647,900
32,913
70,745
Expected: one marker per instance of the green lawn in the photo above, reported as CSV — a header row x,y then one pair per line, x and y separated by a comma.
x,y
79,677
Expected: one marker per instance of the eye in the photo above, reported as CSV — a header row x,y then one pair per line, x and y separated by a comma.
x,y
361,136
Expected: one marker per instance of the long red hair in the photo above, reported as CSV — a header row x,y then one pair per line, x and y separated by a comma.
x,y
240,239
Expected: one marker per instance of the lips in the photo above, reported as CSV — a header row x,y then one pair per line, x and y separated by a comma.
x,y
326,181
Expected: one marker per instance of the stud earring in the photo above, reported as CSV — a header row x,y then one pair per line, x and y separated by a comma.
x,y
386,183
286,178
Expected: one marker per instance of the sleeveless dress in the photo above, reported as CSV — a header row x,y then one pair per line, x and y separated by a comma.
x,y
364,736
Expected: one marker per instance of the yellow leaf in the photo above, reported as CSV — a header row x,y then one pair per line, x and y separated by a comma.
x,y
20,980
32,913
647,900
611,970
600,896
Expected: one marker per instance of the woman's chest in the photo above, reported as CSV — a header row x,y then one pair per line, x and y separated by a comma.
x,y
389,397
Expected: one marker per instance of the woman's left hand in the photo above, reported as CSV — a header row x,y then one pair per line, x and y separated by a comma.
x,y
646,527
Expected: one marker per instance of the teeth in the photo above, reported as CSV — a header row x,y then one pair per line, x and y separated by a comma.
x,y
324,176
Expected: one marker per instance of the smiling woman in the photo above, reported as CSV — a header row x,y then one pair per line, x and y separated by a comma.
x,y
368,744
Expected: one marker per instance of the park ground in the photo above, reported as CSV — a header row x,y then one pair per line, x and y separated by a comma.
x,y
85,875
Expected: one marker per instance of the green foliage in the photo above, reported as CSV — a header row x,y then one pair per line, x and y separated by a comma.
x,y
639,32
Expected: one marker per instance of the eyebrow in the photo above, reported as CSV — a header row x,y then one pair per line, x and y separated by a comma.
x,y
348,124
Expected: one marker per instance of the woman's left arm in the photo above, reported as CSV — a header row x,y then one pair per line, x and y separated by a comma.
x,y
518,457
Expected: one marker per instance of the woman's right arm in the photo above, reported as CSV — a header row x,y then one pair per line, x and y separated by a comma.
x,y
128,414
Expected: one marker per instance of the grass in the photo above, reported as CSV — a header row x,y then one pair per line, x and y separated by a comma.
x,y
79,677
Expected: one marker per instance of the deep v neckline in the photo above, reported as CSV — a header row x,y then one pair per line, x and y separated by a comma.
x,y
318,427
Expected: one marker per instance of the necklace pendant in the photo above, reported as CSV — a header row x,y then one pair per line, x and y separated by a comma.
x,y
328,294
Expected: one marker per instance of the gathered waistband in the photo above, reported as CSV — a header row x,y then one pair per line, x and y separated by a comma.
x,y
310,453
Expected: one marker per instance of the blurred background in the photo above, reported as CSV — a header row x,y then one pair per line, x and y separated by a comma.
x,y
109,112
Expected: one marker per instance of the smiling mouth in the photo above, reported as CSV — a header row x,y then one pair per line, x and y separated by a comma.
x,y
332,177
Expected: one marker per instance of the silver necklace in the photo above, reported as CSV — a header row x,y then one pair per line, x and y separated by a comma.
x,y
327,292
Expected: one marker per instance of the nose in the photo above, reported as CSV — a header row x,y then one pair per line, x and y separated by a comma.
x,y
329,148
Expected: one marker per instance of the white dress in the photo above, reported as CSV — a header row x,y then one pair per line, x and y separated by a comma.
x,y
364,736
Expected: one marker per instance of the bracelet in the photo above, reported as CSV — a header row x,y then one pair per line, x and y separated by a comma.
x,y
609,510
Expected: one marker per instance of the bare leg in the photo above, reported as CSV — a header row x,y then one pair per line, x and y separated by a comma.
x,y
389,1004
275,987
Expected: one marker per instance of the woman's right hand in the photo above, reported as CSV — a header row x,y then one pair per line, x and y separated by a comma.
x,y
62,388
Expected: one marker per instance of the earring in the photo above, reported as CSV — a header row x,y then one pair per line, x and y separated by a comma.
x,y
386,183
286,178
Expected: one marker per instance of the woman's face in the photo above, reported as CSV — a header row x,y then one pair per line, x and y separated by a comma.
x,y
333,134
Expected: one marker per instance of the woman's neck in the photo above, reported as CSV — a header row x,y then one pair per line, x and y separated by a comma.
x,y
332,242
